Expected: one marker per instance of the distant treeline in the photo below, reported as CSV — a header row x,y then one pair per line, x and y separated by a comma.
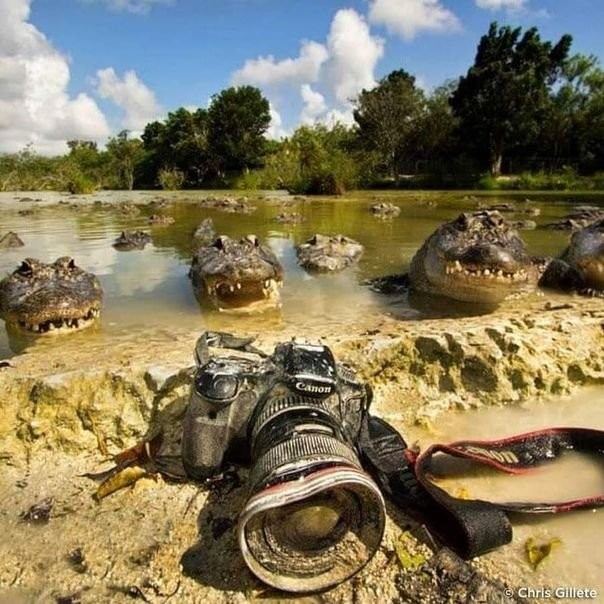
x,y
527,114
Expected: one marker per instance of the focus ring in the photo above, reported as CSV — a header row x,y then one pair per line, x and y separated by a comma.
x,y
318,447
279,404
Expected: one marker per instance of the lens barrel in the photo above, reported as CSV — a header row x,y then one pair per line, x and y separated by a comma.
x,y
313,518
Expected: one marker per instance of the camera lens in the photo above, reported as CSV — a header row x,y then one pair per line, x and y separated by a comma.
x,y
314,517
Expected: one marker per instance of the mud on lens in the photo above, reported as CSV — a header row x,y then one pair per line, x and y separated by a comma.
x,y
314,517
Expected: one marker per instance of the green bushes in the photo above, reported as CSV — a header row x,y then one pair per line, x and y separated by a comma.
x,y
315,160
170,179
79,184
488,182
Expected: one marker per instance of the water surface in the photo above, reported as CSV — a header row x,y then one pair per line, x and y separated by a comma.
x,y
151,287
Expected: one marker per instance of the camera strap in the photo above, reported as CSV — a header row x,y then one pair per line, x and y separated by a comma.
x,y
471,527
222,339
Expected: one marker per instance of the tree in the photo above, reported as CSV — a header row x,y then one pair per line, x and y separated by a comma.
x,y
575,124
434,137
504,95
237,120
386,116
180,144
125,153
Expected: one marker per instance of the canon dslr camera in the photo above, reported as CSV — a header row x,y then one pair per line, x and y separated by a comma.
x,y
313,517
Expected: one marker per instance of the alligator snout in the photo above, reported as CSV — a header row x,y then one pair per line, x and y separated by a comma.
x,y
491,256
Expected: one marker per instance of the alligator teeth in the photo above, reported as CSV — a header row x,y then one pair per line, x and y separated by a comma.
x,y
486,272
238,285
231,288
267,283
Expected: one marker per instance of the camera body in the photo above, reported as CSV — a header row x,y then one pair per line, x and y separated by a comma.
x,y
295,418
231,395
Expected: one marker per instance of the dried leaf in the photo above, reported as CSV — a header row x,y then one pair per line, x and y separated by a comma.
x,y
141,452
406,559
536,551
125,478
39,513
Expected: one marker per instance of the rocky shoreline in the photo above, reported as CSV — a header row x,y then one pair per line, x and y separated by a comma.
x,y
63,409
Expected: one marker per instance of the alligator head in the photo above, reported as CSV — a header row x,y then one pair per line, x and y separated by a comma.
x,y
586,254
322,253
233,275
475,258
48,298
132,240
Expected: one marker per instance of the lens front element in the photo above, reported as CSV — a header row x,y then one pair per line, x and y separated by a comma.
x,y
313,532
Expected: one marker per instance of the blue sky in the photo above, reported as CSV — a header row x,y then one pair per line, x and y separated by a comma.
x,y
88,68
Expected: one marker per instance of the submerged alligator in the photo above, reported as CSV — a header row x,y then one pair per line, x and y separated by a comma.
x,y
385,210
477,258
10,240
237,275
322,253
205,233
43,298
132,240
582,216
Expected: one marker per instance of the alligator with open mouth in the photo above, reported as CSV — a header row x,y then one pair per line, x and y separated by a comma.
x,y
234,275
325,254
50,298
477,258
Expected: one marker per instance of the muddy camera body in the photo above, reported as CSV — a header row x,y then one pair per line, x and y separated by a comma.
x,y
294,417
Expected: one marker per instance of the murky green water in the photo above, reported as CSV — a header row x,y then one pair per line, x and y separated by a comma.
x,y
151,288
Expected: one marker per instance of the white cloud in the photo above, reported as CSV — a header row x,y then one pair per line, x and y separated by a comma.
x,y
35,106
140,7
513,5
353,55
131,95
324,77
339,116
407,18
275,130
314,104
266,71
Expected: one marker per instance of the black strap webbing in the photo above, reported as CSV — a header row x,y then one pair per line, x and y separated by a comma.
x,y
471,527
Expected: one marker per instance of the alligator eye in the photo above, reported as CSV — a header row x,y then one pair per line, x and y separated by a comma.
x,y
463,221
220,242
26,269
253,240
65,262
